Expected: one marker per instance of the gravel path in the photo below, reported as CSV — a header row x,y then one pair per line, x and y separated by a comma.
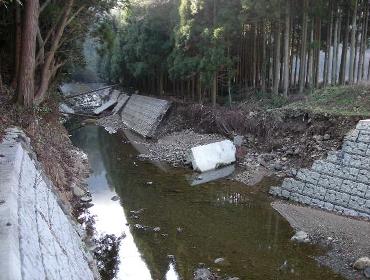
x,y
348,239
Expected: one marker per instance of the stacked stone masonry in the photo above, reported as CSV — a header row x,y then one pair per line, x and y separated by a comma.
x,y
341,182
38,240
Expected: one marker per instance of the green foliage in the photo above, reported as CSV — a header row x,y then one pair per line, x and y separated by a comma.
x,y
135,42
202,38
347,100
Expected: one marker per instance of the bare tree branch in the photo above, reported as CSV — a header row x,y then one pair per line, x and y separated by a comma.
x,y
44,5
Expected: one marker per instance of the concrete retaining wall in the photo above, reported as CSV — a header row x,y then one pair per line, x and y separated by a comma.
x,y
143,114
37,239
339,183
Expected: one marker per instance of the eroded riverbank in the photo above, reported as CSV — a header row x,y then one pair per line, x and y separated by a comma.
x,y
174,225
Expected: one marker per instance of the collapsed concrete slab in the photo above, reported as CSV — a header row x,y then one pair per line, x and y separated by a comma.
x,y
112,101
38,240
339,183
143,114
212,156
121,102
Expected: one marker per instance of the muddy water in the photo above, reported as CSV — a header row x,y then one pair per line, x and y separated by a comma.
x,y
197,224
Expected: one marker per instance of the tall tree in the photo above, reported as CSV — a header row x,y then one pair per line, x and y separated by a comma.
x,y
302,70
286,48
353,44
27,64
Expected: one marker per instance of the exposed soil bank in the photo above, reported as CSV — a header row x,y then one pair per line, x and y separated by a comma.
x,y
347,239
276,142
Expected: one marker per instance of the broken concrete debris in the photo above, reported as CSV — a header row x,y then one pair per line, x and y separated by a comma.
x,y
65,109
143,114
121,102
212,156
112,101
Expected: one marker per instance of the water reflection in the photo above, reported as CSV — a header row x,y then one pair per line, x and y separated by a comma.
x,y
197,224
109,215
172,273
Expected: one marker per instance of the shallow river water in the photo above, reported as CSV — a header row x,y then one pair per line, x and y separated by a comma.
x,y
193,225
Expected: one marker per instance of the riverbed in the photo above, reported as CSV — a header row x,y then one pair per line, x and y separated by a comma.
x,y
172,228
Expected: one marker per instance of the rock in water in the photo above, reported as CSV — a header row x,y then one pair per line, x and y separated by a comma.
x,y
219,261
367,272
301,237
327,137
86,199
362,263
202,274
238,140
78,191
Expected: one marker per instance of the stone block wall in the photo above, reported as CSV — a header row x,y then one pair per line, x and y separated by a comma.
x,y
341,182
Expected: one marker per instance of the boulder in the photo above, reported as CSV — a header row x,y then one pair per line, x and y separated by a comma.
x,y
78,191
219,261
238,140
362,263
202,274
212,156
367,272
301,237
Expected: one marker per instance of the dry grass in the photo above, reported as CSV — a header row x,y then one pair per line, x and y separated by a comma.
x,y
60,160
342,101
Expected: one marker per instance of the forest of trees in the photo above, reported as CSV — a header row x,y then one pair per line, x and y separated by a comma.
x,y
203,50
207,49
39,37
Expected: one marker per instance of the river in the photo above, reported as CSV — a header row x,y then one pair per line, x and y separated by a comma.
x,y
173,228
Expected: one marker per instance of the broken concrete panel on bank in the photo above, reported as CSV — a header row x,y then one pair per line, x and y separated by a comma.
x,y
339,183
112,101
121,102
38,240
212,156
143,114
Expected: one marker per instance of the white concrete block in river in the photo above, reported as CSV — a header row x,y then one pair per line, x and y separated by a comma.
x,y
212,156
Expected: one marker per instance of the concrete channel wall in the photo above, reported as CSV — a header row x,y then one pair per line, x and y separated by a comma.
x,y
143,114
341,182
38,240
